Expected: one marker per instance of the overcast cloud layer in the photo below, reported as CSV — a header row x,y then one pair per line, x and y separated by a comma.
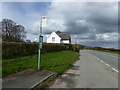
x,y
90,23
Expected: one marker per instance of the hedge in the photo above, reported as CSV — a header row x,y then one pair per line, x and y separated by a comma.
x,y
15,49
101,48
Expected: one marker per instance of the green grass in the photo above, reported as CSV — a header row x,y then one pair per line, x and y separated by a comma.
x,y
115,52
0,68
56,62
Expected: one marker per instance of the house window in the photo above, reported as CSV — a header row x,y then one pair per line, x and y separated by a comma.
x,y
53,39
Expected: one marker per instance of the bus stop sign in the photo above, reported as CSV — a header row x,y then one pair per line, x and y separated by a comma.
x,y
40,41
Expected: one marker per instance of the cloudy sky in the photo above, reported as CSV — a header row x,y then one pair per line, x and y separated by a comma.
x,y
89,23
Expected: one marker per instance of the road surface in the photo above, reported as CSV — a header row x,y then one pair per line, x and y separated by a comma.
x,y
88,72
109,58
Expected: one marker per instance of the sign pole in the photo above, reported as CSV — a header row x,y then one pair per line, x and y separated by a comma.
x,y
39,57
42,24
39,60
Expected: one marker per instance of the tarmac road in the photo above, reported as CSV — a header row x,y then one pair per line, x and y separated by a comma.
x,y
88,72
109,58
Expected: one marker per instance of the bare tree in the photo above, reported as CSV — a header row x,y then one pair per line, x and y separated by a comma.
x,y
12,32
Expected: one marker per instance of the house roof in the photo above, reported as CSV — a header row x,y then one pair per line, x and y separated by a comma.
x,y
63,35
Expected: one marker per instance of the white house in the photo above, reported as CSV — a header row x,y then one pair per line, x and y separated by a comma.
x,y
59,37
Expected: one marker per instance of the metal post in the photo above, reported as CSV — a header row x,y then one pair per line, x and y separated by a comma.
x,y
39,55
39,60
42,24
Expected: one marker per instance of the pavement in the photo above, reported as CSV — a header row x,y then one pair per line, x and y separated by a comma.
x,y
26,79
88,72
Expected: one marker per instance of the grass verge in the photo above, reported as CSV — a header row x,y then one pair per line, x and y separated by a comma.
x,y
115,52
46,83
56,62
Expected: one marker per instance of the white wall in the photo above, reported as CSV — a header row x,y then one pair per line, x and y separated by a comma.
x,y
65,41
53,34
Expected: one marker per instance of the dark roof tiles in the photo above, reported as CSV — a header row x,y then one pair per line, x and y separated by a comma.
x,y
63,35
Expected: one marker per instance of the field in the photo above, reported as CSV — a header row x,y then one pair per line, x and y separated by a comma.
x,y
56,62
115,52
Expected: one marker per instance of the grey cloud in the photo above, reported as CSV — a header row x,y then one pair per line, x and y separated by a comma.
x,y
73,28
100,15
98,18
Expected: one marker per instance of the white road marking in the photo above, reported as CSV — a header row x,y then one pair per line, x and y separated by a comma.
x,y
95,57
104,63
107,64
98,59
101,61
115,70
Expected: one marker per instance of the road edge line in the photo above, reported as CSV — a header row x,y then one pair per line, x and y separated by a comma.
x,y
105,63
115,70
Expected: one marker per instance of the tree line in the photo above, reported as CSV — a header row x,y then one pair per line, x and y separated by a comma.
x,y
12,32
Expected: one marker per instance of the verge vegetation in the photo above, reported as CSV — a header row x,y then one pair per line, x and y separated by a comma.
x,y
18,49
115,52
56,62
110,50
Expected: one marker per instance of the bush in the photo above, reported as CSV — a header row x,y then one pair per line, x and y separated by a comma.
x,y
54,47
15,49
